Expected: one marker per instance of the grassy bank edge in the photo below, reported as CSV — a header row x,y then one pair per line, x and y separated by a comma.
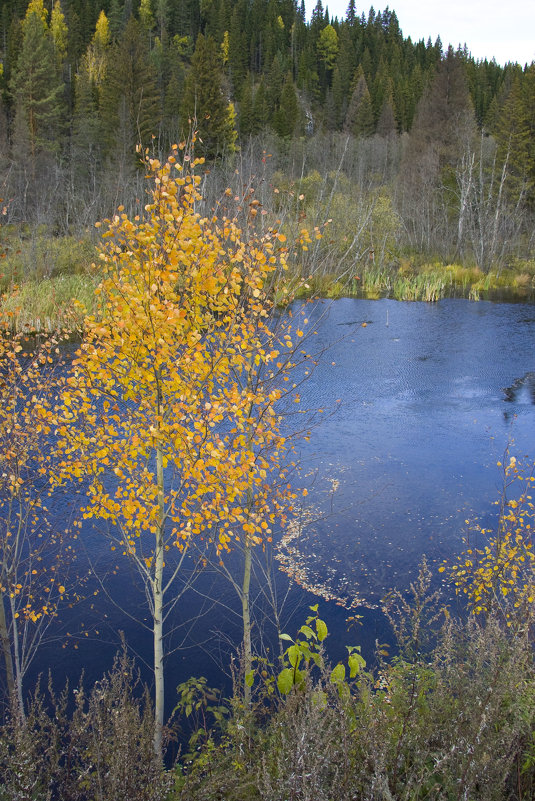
x,y
56,292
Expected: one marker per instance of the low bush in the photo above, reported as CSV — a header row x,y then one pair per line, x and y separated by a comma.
x,y
84,747
454,721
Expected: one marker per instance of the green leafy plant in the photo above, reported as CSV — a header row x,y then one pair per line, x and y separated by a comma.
x,y
307,650
202,706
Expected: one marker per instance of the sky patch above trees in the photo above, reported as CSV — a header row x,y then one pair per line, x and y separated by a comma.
x,y
488,28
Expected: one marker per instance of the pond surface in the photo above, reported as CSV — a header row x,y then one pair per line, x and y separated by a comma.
x,y
429,395
420,402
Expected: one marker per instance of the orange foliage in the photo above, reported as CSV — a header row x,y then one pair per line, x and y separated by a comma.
x,y
164,373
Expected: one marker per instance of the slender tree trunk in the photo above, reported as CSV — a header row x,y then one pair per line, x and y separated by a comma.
x,y
465,181
158,611
6,649
17,662
246,584
246,614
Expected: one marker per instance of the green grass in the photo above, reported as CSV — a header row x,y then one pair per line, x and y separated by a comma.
x,y
31,254
42,274
48,304
431,282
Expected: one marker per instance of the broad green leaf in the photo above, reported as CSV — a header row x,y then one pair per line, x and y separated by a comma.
x,y
317,659
249,678
338,673
307,631
285,680
294,655
305,650
356,663
285,637
321,628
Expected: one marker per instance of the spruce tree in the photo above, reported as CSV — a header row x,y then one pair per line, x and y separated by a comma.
x,y
260,108
129,101
359,118
445,113
515,134
204,105
337,99
37,89
364,124
177,53
286,118
87,133
246,121
386,124
237,56
86,139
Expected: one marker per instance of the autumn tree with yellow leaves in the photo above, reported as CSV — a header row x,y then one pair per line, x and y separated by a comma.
x,y
497,574
157,415
34,552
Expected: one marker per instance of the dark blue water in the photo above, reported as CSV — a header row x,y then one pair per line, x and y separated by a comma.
x,y
430,396
418,406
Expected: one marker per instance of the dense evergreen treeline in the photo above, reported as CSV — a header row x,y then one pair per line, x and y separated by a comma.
x,y
74,67
85,81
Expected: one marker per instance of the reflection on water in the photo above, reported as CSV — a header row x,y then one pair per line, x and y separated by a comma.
x,y
522,390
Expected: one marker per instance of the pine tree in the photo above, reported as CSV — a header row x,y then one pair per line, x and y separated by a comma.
x,y
129,101
286,117
36,88
204,105
359,118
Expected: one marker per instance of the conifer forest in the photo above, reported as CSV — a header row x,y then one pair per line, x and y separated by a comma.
x,y
429,153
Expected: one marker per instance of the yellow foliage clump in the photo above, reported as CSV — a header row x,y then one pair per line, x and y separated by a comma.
x,y
168,390
498,577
